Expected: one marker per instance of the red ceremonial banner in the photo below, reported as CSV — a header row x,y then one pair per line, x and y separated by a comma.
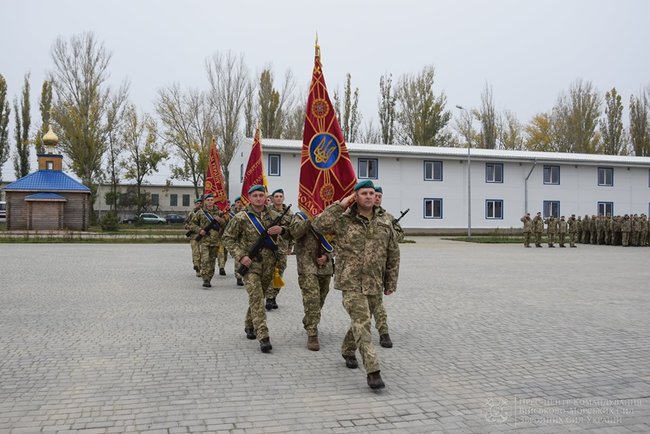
x,y
214,181
254,174
326,172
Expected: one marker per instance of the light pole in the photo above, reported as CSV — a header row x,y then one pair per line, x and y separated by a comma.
x,y
469,172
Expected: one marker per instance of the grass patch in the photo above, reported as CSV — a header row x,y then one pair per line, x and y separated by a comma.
x,y
489,239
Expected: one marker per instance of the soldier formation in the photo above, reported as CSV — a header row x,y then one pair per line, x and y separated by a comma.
x,y
356,231
627,230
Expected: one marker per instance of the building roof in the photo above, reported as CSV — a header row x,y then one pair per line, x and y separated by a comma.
x,y
47,180
46,197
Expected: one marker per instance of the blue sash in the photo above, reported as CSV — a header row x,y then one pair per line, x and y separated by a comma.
x,y
259,227
323,242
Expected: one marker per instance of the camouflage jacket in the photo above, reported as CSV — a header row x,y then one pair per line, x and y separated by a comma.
x,y
367,252
188,223
283,241
527,223
538,224
551,225
308,248
200,221
562,226
573,225
240,236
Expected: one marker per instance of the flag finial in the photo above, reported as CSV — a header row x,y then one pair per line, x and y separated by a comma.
x,y
317,47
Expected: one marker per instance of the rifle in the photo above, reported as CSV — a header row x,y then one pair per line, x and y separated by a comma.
x,y
213,224
259,243
401,214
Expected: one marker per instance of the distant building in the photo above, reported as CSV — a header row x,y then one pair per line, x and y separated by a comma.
x,y
48,199
502,185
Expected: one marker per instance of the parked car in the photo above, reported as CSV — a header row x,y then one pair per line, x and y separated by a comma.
x,y
146,218
175,218
3,210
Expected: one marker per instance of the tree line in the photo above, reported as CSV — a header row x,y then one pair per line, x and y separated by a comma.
x,y
107,139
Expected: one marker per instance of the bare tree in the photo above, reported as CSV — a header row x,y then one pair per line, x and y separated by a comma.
x,y
464,126
387,113
489,120
23,123
5,111
190,123
611,127
640,124
228,77
295,122
370,133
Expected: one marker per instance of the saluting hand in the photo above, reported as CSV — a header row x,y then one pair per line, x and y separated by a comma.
x,y
348,200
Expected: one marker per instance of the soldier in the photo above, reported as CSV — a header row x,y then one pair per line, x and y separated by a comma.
x,y
277,202
209,240
196,248
367,255
643,237
600,230
538,229
561,229
634,231
573,229
527,228
234,209
626,227
379,195
586,229
593,229
579,229
315,269
551,230
240,235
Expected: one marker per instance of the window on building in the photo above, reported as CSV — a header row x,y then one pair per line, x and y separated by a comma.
x,y
432,208
551,208
173,200
494,209
186,200
606,176
368,168
274,164
433,170
606,208
552,175
49,165
155,199
493,172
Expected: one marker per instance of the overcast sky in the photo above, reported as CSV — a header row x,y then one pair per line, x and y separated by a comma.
x,y
528,51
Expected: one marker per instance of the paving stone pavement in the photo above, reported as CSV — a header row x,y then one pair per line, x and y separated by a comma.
x,y
488,338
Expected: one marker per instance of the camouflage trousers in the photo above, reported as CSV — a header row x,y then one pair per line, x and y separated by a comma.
x,y
222,255
208,259
572,239
281,265
381,317
358,336
551,238
255,282
626,238
314,291
538,238
196,253
526,239
562,238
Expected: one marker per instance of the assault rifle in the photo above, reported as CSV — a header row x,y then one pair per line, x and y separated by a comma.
x,y
254,251
401,214
212,224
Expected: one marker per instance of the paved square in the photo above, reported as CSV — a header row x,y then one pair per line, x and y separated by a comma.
x,y
488,338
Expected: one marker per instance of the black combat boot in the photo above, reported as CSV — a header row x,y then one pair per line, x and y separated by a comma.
x,y
222,272
269,304
265,345
250,333
206,284
240,281
274,304
351,362
375,381
384,341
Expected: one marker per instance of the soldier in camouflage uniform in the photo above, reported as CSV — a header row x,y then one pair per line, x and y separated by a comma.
x,y
315,269
240,235
579,229
367,260
527,228
538,229
234,209
626,227
551,230
277,202
561,229
196,248
209,240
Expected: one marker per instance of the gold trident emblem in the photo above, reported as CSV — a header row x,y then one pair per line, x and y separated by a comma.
x,y
324,150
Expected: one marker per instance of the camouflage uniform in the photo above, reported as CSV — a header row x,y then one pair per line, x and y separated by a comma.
x,y
551,229
626,227
527,229
283,251
573,229
196,248
222,255
314,280
367,259
209,243
538,229
240,235
561,229
586,230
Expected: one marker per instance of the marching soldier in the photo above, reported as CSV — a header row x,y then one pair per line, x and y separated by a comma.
x,y
368,257
240,235
196,248
210,238
538,229
528,224
277,202
234,209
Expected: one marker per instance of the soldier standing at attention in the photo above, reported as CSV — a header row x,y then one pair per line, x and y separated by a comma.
x,y
561,229
586,229
538,229
626,227
210,240
573,229
196,249
240,235
277,203
315,269
527,228
367,255
551,229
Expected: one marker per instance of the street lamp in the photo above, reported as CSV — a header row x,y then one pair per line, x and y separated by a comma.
x,y
469,174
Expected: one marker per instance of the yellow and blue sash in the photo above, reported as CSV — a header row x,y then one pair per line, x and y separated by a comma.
x,y
259,227
323,242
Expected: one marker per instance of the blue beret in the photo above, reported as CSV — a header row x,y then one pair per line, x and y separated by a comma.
x,y
366,183
378,189
279,190
257,187
198,199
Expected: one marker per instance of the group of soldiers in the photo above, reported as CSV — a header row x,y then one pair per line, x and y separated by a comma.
x,y
627,230
357,231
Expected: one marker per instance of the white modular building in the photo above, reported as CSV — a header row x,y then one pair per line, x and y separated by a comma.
x,y
456,189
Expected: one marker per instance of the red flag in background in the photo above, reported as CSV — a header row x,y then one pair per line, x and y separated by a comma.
x,y
254,174
214,181
326,172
